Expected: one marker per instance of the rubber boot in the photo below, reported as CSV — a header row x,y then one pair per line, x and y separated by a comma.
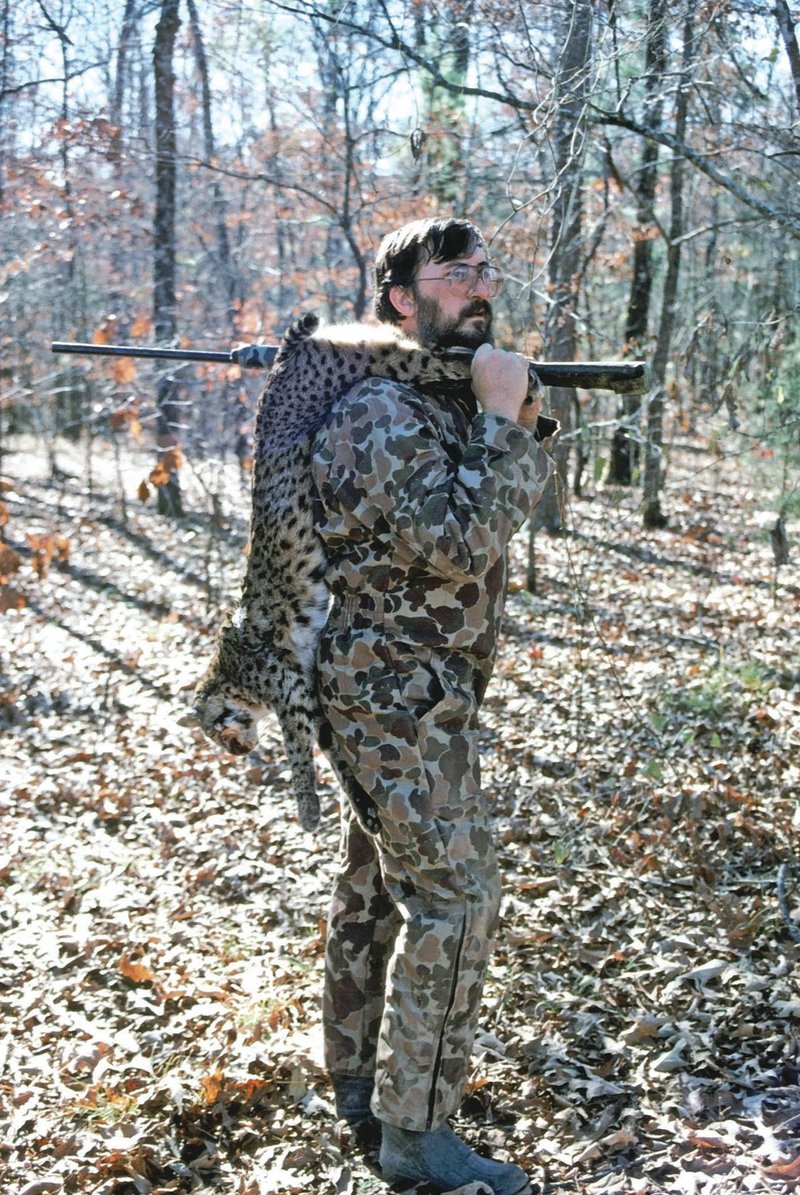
x,y
445,1161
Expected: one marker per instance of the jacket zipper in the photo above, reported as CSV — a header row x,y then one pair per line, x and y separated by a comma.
x,y
440,1049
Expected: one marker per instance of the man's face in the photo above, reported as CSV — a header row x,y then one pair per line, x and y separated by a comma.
x,y
445,318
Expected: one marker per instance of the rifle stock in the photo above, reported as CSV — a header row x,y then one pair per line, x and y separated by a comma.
x,y
622,377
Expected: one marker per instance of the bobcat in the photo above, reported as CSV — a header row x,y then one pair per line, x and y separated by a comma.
x,y
264,657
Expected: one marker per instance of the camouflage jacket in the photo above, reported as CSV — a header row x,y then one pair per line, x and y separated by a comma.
x,y
417,502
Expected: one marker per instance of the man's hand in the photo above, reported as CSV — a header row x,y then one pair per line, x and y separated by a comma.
x,y
531,408
500,382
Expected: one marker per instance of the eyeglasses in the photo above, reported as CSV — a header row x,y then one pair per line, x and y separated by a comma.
x,y
464,279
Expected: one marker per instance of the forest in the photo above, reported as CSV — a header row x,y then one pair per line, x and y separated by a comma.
x,y
196,174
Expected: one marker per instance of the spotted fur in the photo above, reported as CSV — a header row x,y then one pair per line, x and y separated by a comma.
x,y
264,657
265,652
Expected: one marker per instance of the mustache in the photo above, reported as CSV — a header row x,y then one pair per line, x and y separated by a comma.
x,y
477,307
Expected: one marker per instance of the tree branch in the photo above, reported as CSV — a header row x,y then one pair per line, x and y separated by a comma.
x,y
259,176
396,43
785,219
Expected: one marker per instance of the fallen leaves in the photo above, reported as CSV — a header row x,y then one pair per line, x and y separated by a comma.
x,y
162,911
785,1170
45,548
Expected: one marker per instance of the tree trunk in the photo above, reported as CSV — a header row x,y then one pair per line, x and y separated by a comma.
x,y
571,90
228,277
653,473
5,84
164,277
624,460
447,39
119,252
74,397
341,179
787,30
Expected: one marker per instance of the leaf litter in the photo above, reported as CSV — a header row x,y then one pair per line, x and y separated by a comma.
x,y
163,914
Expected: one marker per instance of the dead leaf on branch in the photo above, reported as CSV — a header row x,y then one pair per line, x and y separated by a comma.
x,y
168,463
124,371
141,326
126,418
103,333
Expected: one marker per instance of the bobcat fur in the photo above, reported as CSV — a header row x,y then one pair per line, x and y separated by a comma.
x,y
265,650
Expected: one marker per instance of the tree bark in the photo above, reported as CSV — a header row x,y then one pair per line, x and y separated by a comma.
x,y
119,252
341,178
164,270
787,31
5,81
230,282
624,459
447,37
653,473
571,90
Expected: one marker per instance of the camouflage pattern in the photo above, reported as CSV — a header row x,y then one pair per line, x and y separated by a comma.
x,y
417,502
265,652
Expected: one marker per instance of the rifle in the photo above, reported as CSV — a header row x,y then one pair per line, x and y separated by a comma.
x,y
623,377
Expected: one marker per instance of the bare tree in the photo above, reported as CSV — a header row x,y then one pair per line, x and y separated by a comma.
x,y
786,25
443,33
653,473
231,283
5,89
571,89
164,270
624,458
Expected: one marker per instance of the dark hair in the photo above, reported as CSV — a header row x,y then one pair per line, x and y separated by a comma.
x,y
402,252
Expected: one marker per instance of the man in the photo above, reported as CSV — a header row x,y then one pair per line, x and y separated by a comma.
x,y
418,500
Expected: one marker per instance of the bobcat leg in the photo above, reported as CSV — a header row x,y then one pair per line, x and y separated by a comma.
x,y
297,728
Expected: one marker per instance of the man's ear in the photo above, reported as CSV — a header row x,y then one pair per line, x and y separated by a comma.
x,y
403,300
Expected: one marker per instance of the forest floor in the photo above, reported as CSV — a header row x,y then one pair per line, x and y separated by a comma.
x,y
163,914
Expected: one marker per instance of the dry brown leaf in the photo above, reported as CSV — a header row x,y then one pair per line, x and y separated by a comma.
x,y
9,562
212,1087
11,599
785,1170
141,326
136,972
168,463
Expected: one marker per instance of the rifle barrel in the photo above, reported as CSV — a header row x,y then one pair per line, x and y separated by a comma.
x,y
135,350
623,377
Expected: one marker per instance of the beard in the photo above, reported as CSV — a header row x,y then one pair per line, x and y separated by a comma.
x,y
460,331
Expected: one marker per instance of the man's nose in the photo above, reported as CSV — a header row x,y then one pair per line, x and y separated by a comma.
x,y
480,286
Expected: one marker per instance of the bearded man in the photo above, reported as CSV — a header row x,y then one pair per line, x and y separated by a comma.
x,y
418,497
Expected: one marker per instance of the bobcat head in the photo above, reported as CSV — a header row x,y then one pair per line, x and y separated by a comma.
x,y
225,709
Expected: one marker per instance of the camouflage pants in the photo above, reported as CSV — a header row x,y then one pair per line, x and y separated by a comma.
x,y
415,905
